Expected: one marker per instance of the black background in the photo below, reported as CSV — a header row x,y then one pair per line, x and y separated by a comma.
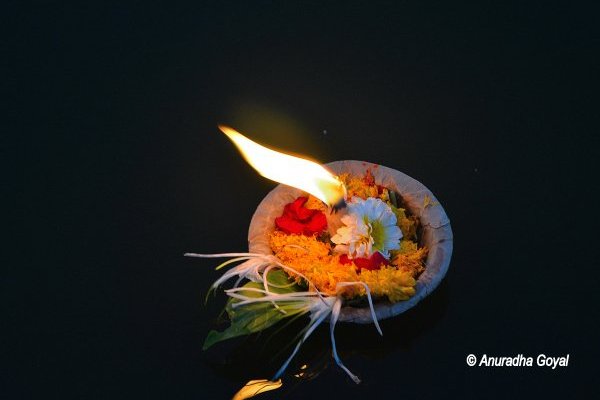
x,y
112,114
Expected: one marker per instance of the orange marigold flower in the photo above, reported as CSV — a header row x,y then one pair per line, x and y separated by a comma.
x,y
313,259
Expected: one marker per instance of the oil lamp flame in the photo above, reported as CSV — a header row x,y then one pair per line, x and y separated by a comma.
x,y
290,170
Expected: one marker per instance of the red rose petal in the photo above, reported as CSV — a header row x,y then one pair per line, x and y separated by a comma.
x,y
297,204
372,263
301,220
288,211
379,259
288,225
300,212
305,214
362,263
345,260
316,224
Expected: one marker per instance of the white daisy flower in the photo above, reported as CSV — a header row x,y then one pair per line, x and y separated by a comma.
x,y
370,226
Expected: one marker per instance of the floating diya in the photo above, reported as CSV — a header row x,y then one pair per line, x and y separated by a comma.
x,y
346,241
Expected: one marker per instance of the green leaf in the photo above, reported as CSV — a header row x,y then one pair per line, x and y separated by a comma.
x,y
393,199
255,317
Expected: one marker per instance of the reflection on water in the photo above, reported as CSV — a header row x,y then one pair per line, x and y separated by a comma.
x,y
262,354
256,387
302,372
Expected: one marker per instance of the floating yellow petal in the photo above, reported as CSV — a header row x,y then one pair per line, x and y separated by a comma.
x,y
255,387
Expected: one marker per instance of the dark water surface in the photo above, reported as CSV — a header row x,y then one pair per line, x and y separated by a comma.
x,y
121,170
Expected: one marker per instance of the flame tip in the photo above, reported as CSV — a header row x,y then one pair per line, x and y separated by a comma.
x,y
298,172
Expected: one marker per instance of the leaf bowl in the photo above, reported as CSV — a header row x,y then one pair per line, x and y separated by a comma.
x,y
436,232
